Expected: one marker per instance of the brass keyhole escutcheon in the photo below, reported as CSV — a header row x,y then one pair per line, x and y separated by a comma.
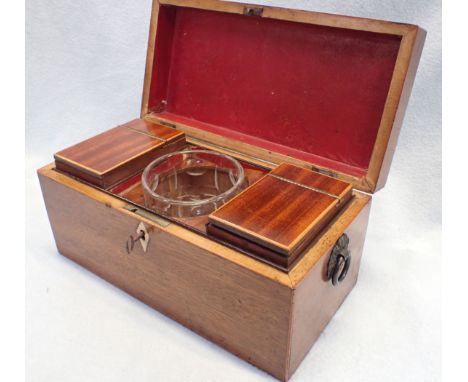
x,y
340,261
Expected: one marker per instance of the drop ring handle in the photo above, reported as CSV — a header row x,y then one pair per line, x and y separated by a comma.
x,y
340,261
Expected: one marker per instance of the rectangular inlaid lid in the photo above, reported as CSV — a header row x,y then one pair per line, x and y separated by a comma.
x,y
322,91
106,151
118,152
284,209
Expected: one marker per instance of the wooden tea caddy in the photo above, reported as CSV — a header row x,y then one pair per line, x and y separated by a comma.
x,y
265,85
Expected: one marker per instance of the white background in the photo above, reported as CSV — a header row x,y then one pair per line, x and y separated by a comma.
x,y
85,66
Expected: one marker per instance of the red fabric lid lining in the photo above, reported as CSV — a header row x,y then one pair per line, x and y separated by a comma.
x,y
313,92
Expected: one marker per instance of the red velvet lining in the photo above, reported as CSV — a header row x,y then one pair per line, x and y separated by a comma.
x,y
313,92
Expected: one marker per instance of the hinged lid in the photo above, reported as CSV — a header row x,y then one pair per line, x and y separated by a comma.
x,y
323,91
286,194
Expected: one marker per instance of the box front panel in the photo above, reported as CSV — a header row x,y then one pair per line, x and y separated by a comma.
x,y
239,309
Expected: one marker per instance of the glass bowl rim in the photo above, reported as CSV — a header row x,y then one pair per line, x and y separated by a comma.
x,y
212,199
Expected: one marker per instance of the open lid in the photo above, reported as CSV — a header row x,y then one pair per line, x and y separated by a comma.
x,y
323,91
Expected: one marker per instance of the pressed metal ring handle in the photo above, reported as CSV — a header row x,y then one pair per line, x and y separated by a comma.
x,y
341,269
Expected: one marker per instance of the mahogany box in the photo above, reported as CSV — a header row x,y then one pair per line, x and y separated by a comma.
x,y
266,85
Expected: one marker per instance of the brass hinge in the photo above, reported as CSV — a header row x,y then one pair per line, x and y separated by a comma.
x,y
168,124
324,172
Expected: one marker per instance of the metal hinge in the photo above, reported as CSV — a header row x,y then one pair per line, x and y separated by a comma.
x,y
324,172
168,124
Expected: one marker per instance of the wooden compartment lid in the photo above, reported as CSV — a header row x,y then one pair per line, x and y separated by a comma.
x,y
277,217
118,153
322,91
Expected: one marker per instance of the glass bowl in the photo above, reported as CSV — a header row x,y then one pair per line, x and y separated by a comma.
x,y
191,183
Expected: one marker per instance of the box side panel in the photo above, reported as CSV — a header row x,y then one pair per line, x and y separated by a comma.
x,y
238,309
316,300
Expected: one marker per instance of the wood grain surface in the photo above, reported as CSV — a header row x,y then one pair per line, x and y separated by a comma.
x,y
268,317
281,215
119,152
154,130
241,310
265,316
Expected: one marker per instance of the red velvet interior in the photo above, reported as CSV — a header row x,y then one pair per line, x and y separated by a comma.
x,y
313,92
